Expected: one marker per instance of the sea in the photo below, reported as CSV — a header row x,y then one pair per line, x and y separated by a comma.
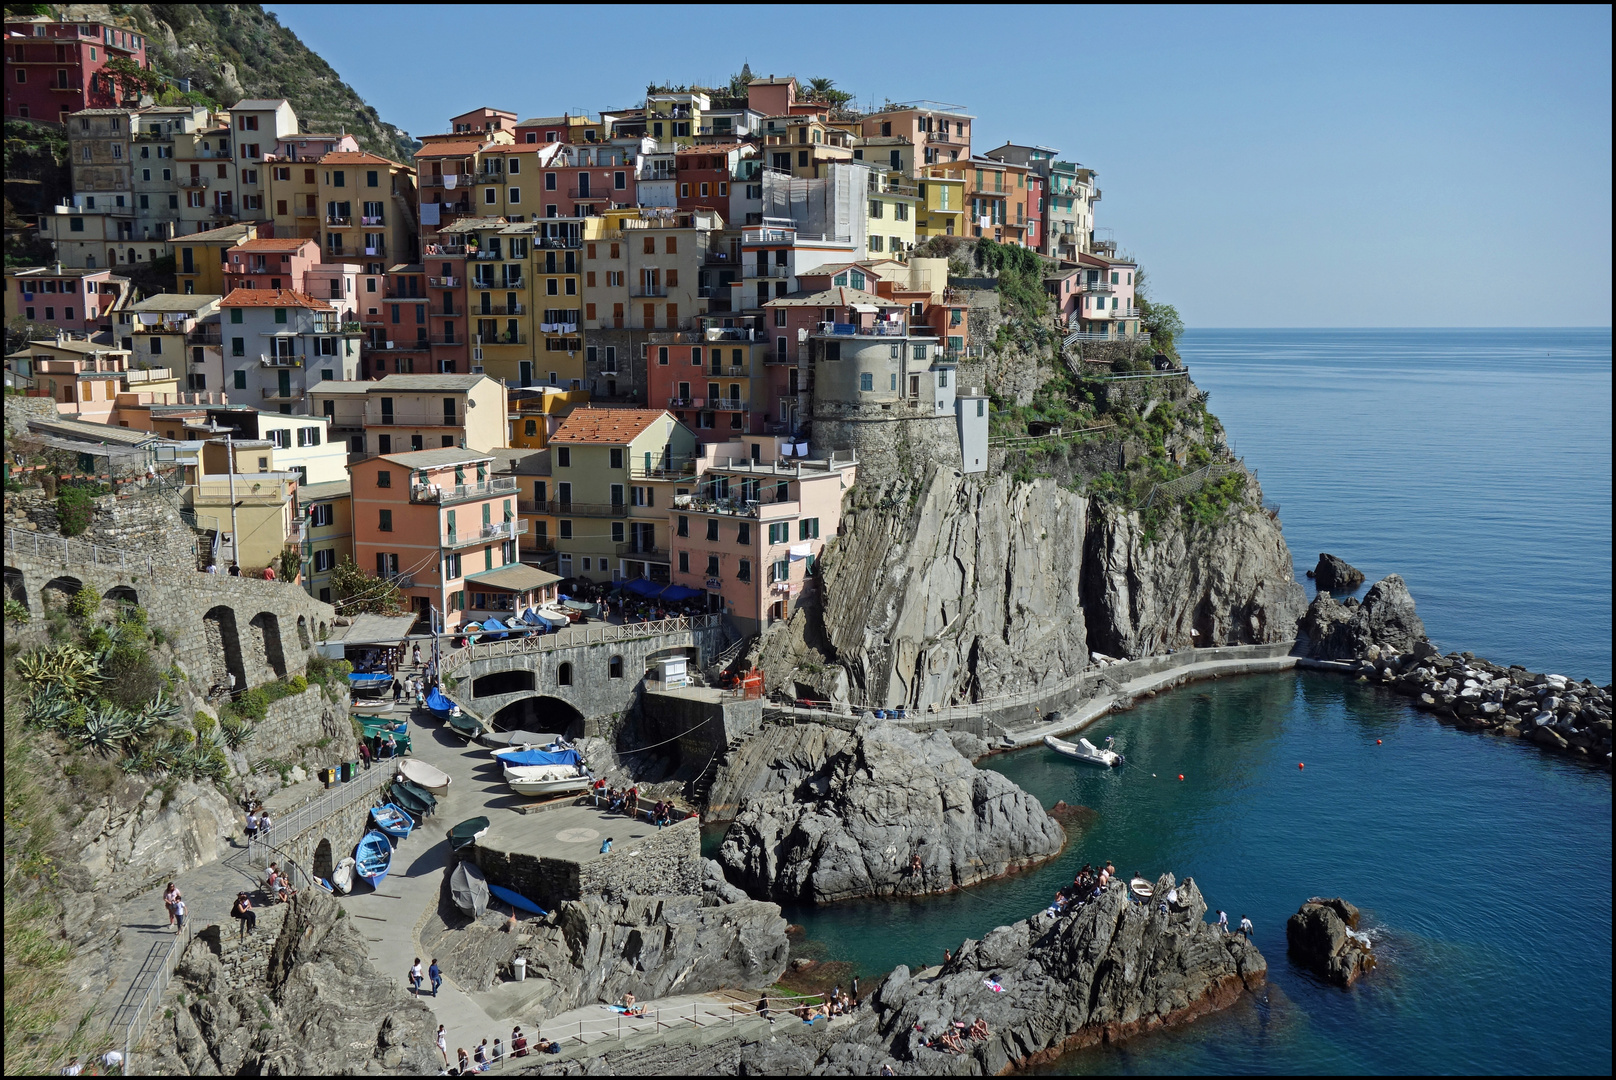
x,y
1476,464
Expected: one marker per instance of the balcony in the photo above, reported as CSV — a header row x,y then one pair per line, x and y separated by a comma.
x,y
778,273
268,361
273,393
350,327
498,531
444,313
416,419
497,309
396,346
630,549
850,330
368,220
443,282
403,581
664,468
581,195
338,220
559,243
566,508
205,335
1099,287
732,333
439,495
193,181
639,291
484,255
490,341
774,359
445,249
946,139
768,236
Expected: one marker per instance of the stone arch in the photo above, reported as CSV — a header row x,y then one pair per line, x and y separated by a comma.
x,y
503,682
614,668
58,590
323,630
266,632
224,647
321,863
303,632
16,587
541,713
121,594
564,673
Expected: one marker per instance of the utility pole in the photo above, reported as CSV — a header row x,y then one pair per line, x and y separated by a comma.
x,y
230,474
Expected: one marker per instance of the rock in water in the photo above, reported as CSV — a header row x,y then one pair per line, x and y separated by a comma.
x,y
1321,936
850,821
1107,970
1385,621
1333,574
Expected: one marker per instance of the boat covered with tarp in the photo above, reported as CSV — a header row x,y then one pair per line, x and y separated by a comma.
x,y
370,682
430,777
530,755
439,705
469,889
468,832
417,800
516,899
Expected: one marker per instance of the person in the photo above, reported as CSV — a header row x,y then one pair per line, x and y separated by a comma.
x,y
498,1053
1245,927
364,752
398,691
263,824
1172,895
269,573
415,976
634,802
518,1043
243,913
443,1036
235,570
252,826
914,863
435,973
1223,920
170,895
1105,877
763,1007
948,955
72,1068
213,568
855,990
272,883
550,1046
392,746
886,1070
479,1053
415,654
464,1059
979,1030
606,846
179,914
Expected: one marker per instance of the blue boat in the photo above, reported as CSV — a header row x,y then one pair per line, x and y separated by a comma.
x,y
518,758
373,857
440,706
370,682
392,821
516,899
493,630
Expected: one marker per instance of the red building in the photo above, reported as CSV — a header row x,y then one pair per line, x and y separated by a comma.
x,y
1036,214
54,68
704,176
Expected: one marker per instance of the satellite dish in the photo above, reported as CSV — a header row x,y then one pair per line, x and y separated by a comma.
x,y
470,404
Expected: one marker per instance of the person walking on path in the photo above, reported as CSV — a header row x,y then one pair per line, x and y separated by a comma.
x,y
1223,920
443,1038
464,1059
436,975
235,570
179,914
498,1053
479,1054
170,895
398,691
415,978
364,752
252,826
263,824
415,655
1245,927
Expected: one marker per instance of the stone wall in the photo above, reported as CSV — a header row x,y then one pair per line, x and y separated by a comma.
x,y
668,862
701,728
138,519
20,410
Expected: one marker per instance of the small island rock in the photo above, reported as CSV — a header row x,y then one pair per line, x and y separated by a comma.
x,y
1322,936
1334,575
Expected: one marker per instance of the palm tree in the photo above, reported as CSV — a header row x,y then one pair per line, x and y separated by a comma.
x,y
819,89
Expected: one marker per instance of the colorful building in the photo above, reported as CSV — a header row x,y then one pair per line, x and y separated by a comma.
x,y
1107,306
54,68
76,300
942,132
325,532
170,330
200,258
278,343
84,378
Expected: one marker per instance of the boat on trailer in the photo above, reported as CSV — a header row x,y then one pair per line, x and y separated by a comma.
x,y
1083,750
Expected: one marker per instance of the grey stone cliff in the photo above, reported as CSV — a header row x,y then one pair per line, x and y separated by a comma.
x,y
848,817
1321,935
1385,621
1332,574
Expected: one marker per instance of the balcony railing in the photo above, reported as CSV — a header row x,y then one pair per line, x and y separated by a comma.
x,y
1099,287
564,508
400,345
504,339
498,309
440,494
490,178
498,530
560,243
664,468
193,181
442,248
417,419
779,273
638,291
850,330
338,219
266,360
443,282
210,335
367,219
437,181
632,550
579,194
273,393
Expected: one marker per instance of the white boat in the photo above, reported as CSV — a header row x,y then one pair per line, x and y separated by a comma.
x,y
430,777
551,747
342,877
546,779
1141,888
1083,750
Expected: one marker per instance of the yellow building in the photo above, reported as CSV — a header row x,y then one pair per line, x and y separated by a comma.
x,y
199,259
254,503
497,299
942,205
894,201
325,532
292,198
205,180
535,412
368,209
675,117
603,463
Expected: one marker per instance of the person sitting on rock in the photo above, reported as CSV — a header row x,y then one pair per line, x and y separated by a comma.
x,y
914,863
979,1030
953,1043
518,1043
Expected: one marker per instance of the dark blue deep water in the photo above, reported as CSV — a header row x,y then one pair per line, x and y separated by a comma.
x,y
1477,464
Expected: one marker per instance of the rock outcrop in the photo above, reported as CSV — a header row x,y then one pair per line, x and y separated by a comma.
x,y
313,1006
848,818
1335,575
132,840
1323,937
1385,622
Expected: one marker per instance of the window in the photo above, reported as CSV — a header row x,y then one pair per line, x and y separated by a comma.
x,y
683,527
238,347
384,477
743,535
866,381
564,456
782,570
808,529
241,376
515,195
617,458
876,243
875,208
662,355
980,407
564,673
614,668
712,566
684,562
780,533
325,559
942,379
488,196
712,528
684,191
549,181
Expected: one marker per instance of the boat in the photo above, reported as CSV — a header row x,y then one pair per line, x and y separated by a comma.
x,y
440,706
468,832
392,821
512,756
493,630
516,899
1083,750
370,682
469,889
546,780
1141,889
373,857
430,777
342,877
553,618
415,800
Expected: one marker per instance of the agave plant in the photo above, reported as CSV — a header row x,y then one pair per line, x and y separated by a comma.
x,y
211,765
103,729
139,725
49,708
65,666
234,733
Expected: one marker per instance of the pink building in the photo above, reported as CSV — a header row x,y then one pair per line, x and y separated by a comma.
x,y
76,300
270,264
752,532
1104,302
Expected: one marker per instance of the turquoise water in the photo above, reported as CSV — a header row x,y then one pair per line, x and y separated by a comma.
x,y
1480,470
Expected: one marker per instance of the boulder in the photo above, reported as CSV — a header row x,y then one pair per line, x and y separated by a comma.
x,y
1323,937
1385,622
1335,575
850,821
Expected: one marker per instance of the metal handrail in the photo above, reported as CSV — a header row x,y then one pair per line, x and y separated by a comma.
x,y
579,635
317,810
154,994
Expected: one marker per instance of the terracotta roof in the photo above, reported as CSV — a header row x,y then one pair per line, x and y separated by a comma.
x,y
273,298
612,426
431,459
278,243
358,157
457,147
709,148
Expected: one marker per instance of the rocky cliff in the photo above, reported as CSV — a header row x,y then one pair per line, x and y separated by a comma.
x,y
848,818
1323,935
1385,622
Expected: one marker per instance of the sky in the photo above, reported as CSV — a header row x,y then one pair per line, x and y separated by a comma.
x,y
1268,167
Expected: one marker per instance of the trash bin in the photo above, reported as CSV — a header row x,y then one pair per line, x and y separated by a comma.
x,y
347,771
327,775
519,968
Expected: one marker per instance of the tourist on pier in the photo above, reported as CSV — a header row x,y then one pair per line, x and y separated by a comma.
x,y
443,1036
415,655
464,1059
398,691
415,977
479,1054
498,1053
252,826
364,752
518,1043
263,824
436,975
1245,927
170,894
391,746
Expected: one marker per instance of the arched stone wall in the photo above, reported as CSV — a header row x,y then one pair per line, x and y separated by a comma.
x,y
266,633
224,647
17,587
58,590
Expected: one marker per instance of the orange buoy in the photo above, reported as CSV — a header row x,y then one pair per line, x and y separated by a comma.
x,y
1298,764
1377,742
1181,776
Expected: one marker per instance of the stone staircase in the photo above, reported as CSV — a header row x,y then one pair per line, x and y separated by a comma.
x,y
702,785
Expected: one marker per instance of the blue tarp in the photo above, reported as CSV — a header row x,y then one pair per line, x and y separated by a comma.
x,y
438,703
652,591
680,592
542,757
641,587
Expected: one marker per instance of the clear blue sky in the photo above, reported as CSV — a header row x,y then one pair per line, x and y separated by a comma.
x,y
1268,166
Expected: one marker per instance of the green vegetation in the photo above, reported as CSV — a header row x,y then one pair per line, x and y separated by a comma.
x,y
356,592
16,613
290,562
329,675
74,504
254,704
1162,320
1020,273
